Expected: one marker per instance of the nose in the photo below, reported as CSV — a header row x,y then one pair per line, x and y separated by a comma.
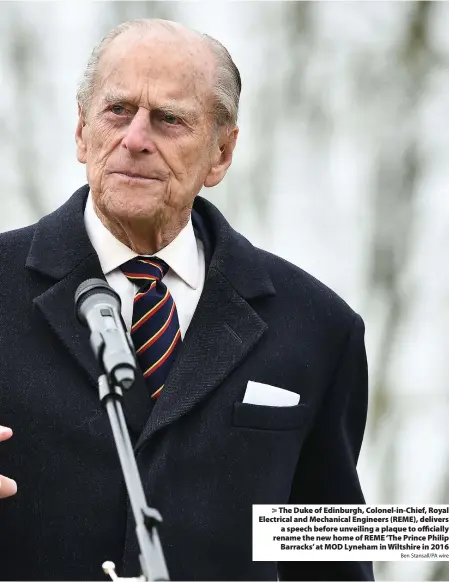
x,y
138,137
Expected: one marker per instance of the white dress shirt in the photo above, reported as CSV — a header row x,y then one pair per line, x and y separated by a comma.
x,y
184,255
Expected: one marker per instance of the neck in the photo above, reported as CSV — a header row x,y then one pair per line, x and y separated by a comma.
x,y
145,237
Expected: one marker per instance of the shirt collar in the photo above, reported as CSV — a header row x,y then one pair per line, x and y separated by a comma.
x,y
181,254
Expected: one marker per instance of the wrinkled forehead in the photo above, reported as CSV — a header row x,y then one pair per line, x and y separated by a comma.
x,y
158,66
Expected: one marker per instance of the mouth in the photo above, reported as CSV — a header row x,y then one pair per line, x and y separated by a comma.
x,y
132,176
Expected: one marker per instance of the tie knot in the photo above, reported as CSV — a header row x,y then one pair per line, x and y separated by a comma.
x,y
139,270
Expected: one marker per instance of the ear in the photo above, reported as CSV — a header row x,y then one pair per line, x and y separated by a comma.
x,y
222,157
81,147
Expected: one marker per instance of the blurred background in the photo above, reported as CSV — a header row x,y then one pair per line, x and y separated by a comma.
x,y
342,167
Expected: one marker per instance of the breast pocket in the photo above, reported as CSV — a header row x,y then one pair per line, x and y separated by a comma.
x,y
269,417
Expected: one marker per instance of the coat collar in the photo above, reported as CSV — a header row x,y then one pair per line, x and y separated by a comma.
x,y
61,244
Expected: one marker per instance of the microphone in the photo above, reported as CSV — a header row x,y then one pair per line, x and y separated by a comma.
x,y
97,306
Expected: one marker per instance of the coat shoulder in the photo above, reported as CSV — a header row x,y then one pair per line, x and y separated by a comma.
x,y
15,246
293,283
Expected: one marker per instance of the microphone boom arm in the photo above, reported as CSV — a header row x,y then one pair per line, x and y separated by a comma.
x,y
147,519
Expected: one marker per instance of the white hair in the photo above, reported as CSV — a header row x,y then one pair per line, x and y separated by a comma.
x,y
227,86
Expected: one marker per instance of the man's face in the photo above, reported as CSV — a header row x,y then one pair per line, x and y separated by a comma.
x,y
148,138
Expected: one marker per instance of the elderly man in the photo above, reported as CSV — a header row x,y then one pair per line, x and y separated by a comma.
x,y
254,383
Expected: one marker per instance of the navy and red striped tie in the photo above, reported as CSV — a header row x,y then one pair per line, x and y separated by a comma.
x,y
155,327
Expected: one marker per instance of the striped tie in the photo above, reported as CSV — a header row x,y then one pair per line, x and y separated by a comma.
x,y
155,326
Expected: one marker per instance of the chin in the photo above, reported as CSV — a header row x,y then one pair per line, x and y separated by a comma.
x,y
133,206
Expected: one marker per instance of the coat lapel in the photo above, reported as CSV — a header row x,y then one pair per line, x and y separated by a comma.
x,y
222,332
58,308
61,250
224,327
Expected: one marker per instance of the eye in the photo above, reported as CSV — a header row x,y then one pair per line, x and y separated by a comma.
x,y
118,109
170,119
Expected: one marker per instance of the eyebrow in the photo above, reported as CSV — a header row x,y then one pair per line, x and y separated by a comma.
x,y
171,106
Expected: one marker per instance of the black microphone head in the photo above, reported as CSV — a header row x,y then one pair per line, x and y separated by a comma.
x,y
92,287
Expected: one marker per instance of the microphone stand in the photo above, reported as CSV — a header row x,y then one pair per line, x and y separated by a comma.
x,y
146,518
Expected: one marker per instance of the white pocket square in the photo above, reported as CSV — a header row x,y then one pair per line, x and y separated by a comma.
x,y
258,393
